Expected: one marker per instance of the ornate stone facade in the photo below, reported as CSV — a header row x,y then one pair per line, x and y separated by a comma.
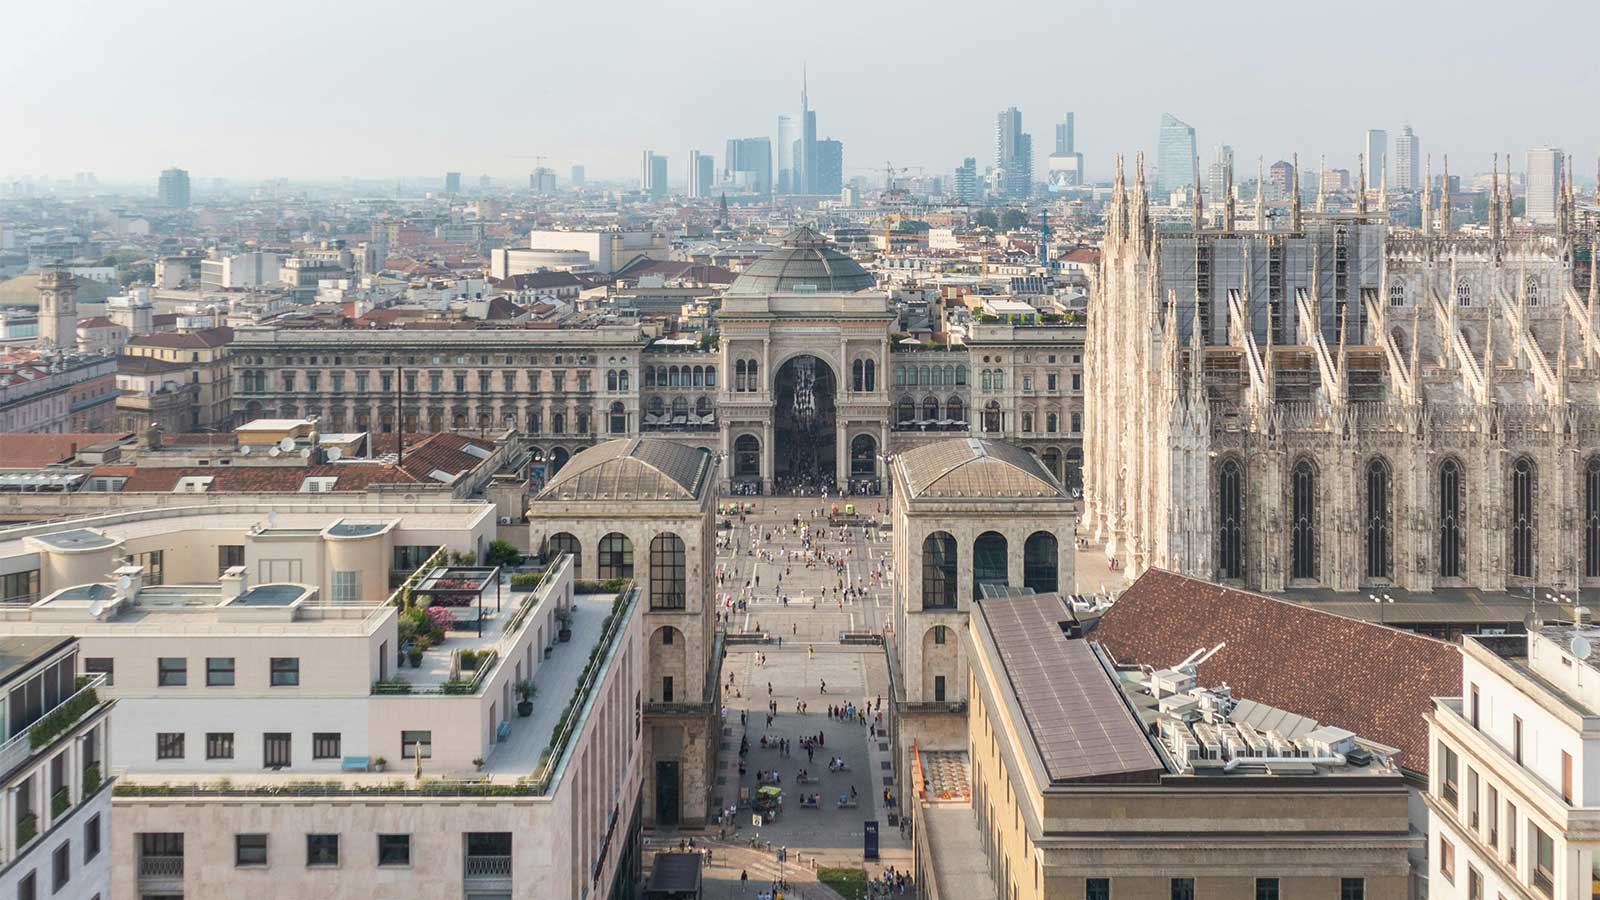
x,y
1342,406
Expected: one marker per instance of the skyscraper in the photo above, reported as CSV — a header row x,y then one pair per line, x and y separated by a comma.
x,y
966,189
702,174
173,189
1175,151
653,175
1219,173
1377,151
452,182
829,156
1281,180
787,183
1013,155
1407,161
747,164
805,162
542,181
1542,185
1066,164
577,176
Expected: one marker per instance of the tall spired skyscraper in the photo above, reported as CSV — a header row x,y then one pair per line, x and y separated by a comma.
x,y
1174,156
806,161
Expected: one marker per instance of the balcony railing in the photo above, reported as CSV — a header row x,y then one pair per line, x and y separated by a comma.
x,y
160,867
16,751
488,867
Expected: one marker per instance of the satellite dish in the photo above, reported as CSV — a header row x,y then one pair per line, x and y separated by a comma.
x,y
305,453
245,450
124,583
286,444
274,452
96,608
335,454
1580,647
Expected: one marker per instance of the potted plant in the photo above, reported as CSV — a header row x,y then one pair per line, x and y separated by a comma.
x,y
478,764
379,764
415,655
564,618
526,691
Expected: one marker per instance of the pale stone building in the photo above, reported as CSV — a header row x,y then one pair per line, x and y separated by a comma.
x,y
644,510
1335,405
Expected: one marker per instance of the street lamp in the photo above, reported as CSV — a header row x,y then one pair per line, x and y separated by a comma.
x,y
1380,601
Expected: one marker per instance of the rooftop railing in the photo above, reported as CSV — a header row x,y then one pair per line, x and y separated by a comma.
x,y
61,718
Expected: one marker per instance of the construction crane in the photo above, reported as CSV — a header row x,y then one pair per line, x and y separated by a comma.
x,y
889,171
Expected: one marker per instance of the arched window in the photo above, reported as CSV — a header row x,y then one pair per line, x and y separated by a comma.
x,y
899,376
657,406
930,408
1380,553
924,376
616,557
622,380
999,379
863,457
619,419
661,376
1051,423
872,375
949,374
558,423
938,377
961,375
1591,519
987,381
905,411
702,406
739,375
562,542
755,376
858,375
1463,292
611,381
1077,422
1027,423
1524,491
1230,520
1051,457
668,572
680,407
711,376
991,417
674,376
649,376
699,376
747,456
939,571
989,564
1039,563
955,410
1532,290
1303,526
1452,509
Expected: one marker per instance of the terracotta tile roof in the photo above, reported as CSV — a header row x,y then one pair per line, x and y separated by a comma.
x,y
96,322
147,365
27,451
1085,255
532,280
1372,680
187,340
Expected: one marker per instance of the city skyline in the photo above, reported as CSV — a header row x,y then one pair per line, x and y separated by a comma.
x,y
1440,86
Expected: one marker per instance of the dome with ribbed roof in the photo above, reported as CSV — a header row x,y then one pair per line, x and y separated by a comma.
x,y
970,468
632,469
805,262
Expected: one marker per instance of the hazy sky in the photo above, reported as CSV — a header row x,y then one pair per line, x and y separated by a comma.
x,y
350,87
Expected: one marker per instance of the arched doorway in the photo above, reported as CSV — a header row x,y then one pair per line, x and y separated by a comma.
x,y
558,458
863,457
989,562
747,458
803,424
1040,563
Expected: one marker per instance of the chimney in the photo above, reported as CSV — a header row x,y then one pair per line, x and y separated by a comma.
x,y
150,438
135,576
233,583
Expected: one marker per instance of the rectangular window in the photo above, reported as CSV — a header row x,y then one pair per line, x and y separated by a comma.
x,y
169,745
1491,808
938,688
101,665
228,556
1448,774
394,849
1447,860
1473,709
1566,776
1097,889
347,587
1183,889
20,587
325,745
285,671
666,689
61,866
219,745
172,671
91,838
278,750
28,887
1472,798
413,741
249,850
322,850
1543,861
1352,889
219,671
1511,834
1516,738
1474,884
1266,889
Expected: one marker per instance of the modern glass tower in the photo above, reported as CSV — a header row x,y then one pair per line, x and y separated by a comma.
x,y
1013,155
1175,151
1377,152
1407,161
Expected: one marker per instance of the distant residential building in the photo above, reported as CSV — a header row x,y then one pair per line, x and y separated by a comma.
x,y
1175,156
1376,153
967,187
1281,180
577,176
543,182
1407,161
607,251
205,362
747,165
653,175
240,270
173,189
702,174
1543,184
829,167
452,182
57,393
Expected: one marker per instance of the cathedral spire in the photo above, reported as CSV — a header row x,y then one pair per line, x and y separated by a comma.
x,y
1141,197
1489,362
1383,183
1227,195
1427,197
1341,369
1444,198
1414,364
1494,200
1294,194
1116,227
1506,220
1199,202
1197,359
1261,193
1322,185
1361,184
1268,367
1561,364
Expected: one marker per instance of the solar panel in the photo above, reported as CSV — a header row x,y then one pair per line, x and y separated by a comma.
x,y
1071,705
